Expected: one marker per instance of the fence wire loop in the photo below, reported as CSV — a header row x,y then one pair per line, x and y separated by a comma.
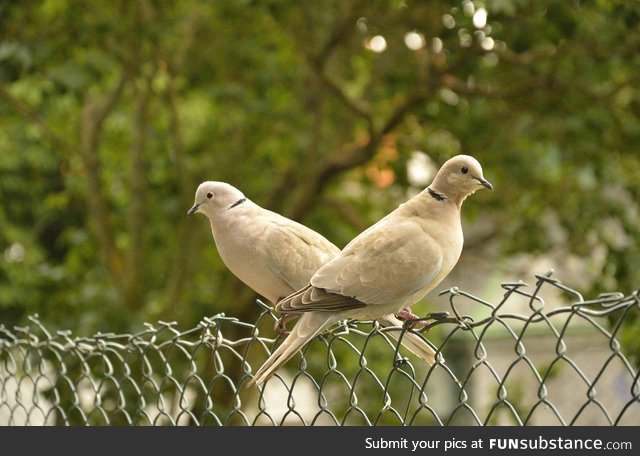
x,y
540,354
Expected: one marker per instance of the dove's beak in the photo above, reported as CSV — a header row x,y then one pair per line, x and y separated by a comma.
x,y
194,209
485,183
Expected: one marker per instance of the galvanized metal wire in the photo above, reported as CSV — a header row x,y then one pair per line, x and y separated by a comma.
x,y
516,361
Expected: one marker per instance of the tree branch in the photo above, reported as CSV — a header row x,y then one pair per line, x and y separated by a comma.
x,y
339,33
137,208
185,242
182,253
358,153
94,114
525,88
358,106
347,212
25,111
350,157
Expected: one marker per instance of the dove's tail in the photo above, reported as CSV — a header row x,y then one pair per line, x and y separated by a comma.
x,y
306,328
411,341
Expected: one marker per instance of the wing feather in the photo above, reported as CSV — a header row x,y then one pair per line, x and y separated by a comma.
x,y
382,265
294,252
312,299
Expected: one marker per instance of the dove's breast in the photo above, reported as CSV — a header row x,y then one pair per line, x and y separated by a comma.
x,y
237,242
449,241
449,236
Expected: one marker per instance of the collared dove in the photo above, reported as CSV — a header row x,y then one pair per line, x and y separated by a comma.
x,y
272,254
389,266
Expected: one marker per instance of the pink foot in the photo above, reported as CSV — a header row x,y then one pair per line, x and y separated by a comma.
x,y
408,315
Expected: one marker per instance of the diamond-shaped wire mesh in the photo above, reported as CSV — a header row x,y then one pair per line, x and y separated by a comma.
x,y
520,360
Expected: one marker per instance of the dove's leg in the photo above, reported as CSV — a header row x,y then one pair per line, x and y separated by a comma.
x,y
280,326
407,314
428,321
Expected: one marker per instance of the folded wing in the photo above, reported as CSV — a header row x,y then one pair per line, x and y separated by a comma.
x,y
294,252
382,266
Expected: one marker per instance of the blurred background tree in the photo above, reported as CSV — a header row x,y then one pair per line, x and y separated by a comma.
x,y
332,113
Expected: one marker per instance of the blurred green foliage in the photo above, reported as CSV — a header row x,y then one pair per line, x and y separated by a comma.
x,y
111,113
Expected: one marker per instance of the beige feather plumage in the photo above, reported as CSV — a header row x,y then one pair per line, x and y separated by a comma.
x,y
274,255
388,267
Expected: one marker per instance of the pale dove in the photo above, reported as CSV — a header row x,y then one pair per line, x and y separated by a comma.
x,y
272,254
389,266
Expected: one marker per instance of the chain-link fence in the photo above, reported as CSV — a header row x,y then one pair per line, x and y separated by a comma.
x,y
540,355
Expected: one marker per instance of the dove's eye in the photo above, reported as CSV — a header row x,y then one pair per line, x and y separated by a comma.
x,y
464,170
209,195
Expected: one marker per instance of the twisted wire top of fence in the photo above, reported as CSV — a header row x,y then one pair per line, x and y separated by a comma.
x,y
516,361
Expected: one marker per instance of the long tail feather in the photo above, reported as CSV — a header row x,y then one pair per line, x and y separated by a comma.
x,y
412,342
306,328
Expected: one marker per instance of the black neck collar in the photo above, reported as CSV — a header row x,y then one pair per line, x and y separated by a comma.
x,y
237,203
436,196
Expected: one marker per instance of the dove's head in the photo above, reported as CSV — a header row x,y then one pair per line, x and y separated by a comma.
x,y
215,197
459,177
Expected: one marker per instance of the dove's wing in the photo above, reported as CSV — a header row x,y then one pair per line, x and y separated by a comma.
x,y
312,299
382,266
389,263
294,252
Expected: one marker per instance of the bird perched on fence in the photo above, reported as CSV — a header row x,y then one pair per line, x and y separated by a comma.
x,y
389,266
272,254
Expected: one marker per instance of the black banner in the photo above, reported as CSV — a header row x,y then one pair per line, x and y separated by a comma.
x,y
326,440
